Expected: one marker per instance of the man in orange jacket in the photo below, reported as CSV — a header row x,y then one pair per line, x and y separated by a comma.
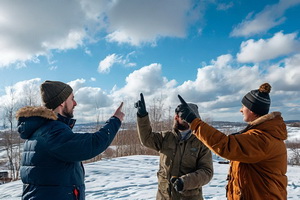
x,y
258,153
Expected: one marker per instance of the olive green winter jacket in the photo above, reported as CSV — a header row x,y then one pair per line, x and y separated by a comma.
x,y
189,159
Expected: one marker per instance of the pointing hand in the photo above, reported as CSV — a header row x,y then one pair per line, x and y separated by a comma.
x,y
118,113
141,106
185,112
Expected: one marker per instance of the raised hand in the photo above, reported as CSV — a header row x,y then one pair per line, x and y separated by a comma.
x,y
185,112
141,106
118,113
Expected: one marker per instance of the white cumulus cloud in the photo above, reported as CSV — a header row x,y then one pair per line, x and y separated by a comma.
x,y
139,21
261,22
20,94
279,45
33,28
148,80
108,62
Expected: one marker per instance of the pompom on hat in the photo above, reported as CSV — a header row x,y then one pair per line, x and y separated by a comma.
x,y
54,93
258,101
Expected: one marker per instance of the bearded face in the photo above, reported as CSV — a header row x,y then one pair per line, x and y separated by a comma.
x,y
180,126
69,106
68,112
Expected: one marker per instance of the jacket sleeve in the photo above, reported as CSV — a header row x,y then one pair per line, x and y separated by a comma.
x,y
148,138
249,147
204,172
69,146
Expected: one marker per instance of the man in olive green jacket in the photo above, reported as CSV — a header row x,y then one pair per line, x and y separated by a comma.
x,y
185,162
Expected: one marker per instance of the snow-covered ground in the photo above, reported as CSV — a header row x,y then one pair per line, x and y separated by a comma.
x,y
293,133
134,178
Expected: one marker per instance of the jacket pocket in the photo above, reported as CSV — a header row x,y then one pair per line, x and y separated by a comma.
x,y
48,192
163,185
195,193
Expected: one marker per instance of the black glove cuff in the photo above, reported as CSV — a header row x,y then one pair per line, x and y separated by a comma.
x,y
142,115
191,117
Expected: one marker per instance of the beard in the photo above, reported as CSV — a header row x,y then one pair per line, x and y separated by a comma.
x,y
180,126
67,112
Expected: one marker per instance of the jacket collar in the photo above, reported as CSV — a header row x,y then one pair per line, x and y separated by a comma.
x,y
264,118
69,121
258,121
186,135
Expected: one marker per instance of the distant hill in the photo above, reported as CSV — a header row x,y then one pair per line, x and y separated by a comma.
x,y
292,121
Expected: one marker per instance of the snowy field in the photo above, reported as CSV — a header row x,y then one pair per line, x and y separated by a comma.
x,y
134,178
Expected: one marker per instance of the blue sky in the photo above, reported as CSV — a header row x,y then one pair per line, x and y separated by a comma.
x,y
211,52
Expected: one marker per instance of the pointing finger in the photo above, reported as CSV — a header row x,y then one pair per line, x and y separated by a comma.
x,y
182,100
142,98
120,107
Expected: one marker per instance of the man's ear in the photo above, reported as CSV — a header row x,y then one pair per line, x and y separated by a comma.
x,y
254,114
62,104
59,108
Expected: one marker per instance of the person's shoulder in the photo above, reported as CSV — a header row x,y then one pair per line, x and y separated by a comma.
x,y
193,139
167,134
48,128
55,123
56,126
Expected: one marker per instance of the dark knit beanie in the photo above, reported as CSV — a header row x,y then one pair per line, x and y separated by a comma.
x,y
258,101
54,93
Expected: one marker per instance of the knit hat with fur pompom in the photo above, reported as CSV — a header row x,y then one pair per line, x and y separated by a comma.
x,y
258,101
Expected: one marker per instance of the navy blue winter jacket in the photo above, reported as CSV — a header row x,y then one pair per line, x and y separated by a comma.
x,y
51,165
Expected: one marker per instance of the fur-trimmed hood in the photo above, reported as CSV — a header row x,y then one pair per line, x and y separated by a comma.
x,y
36,111
264,118
271,123
31,118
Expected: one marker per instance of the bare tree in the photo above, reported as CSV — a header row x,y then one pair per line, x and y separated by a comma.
x,y
4,122
127,140
31,95
294,146
171,113
98,113
156,113
12,141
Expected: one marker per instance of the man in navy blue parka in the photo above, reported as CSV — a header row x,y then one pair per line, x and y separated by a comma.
x,y
51,165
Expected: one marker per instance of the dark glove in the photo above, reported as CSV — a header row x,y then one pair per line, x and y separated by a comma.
x,y
185,112
141,107
177,183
